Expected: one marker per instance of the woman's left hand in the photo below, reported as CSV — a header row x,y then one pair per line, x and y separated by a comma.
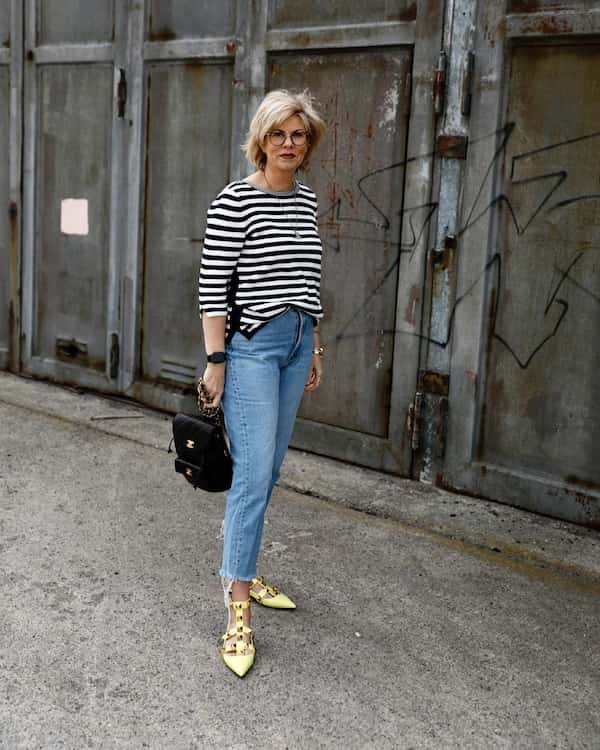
x,y
315,373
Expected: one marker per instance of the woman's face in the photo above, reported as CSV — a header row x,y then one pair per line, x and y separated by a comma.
x,y
287,157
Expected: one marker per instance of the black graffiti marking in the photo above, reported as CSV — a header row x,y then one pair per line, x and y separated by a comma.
x,y
495,264
578,199
552,146
404,247
506,132
502,199
578,284
553,299
557,178
416,237
340,335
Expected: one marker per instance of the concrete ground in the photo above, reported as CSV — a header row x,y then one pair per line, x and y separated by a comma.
x,y
425,619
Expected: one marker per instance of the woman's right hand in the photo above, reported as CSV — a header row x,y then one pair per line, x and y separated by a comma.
x,y
214,383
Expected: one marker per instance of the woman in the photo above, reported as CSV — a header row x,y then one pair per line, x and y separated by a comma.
x,y
259,294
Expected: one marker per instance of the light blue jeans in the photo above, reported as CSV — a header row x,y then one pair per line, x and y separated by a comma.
x,y
264,381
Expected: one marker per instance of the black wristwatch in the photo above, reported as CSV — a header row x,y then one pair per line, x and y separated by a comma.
x,y
216,358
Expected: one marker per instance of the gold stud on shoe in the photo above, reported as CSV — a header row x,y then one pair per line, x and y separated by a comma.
x,y
275,600
238,650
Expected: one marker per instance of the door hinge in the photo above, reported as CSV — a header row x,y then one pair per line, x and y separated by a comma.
x,y
413,423
439,85
406,102
114,356
121,93
467,85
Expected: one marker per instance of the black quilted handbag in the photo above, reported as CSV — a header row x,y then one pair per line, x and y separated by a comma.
x,y
203,456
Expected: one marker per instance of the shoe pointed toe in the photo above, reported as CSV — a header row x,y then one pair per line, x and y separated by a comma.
x,y
239,664
269,596
279,601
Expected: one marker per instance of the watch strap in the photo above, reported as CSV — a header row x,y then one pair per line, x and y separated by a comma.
x,y
216,358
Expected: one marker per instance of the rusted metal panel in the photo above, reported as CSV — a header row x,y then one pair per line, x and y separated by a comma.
x,y
359,178
451,146
62,21
174,19
431,381
290,13
181,120
354,35
73,162
190,49
524,391
543,392
173,372
550,24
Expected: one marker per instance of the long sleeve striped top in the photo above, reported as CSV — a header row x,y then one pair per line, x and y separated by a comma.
x,y
272,242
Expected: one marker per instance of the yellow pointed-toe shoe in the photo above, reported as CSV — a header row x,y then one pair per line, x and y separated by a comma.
x,y
238,650
269,596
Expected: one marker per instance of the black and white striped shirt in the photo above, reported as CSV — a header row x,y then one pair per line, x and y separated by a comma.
x,y
272,241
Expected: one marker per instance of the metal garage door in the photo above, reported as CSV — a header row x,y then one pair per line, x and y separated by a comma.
x,y
205,72
524,388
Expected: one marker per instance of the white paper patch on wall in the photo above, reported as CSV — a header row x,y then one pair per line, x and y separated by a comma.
x,y
74,216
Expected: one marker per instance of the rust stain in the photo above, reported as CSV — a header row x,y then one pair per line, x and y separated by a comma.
x,y
431,381
332,194
452,146
162,35
551,25
574,479
410,13
473,377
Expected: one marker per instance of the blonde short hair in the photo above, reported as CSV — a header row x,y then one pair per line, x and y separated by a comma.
x,y
275,108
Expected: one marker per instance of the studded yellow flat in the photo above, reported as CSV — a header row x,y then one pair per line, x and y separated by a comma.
x,y
275,599
239,654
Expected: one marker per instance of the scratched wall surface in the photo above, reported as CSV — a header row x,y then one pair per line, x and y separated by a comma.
x,y
291,13
360,201
4,230
75,107
171,19
63,21
543,394
181,122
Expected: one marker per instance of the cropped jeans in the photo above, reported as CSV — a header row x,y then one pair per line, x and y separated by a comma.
x,y
264,382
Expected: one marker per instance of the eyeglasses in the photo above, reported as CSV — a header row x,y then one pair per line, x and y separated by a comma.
x,y
278,137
